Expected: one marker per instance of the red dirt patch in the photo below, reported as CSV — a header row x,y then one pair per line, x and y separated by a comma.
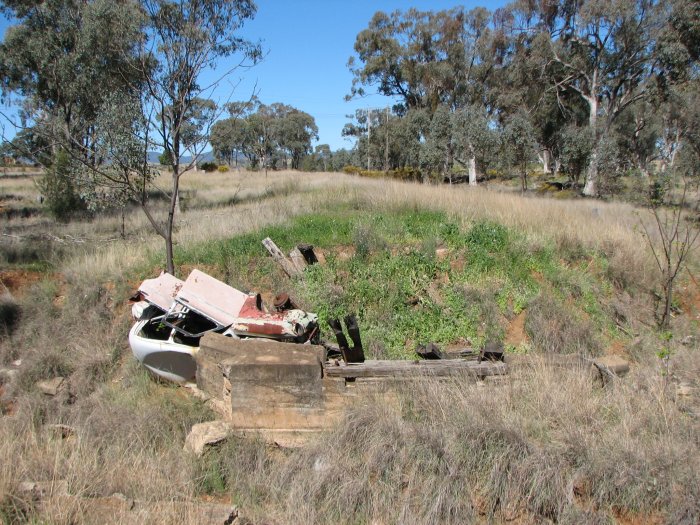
x,y
515,333
689,298
343,253
631,518
7,408
17,280
458,262
616,348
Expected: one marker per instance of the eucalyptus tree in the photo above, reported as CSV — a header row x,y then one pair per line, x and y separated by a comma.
x,y
324,155
430,60
292,130
64,57
231,136
602,52
475,139
519,144
185,39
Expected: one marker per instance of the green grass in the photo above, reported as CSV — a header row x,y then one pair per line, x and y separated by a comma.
x,y
383,266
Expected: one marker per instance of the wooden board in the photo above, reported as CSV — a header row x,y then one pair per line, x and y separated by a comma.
x,y
373,368
289,268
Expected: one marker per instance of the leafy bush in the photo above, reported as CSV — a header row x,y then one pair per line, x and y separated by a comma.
x,y
223,168
58,185
209,166
165,158
489,236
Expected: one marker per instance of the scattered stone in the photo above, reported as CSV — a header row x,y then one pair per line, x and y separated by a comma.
x,y
207,434
51,387
17,363
684,390
196,392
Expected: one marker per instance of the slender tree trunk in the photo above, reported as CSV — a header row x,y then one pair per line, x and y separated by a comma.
x,y
174,205
472,170
591,187
668,300
545,160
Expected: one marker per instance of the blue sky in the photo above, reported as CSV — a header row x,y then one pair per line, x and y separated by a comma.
x,y
308,43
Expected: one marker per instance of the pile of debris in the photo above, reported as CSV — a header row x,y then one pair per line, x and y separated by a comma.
x,y
172,315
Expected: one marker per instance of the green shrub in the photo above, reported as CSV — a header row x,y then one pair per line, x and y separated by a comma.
x,y
223,168
165,158
208,166
487,235
59,188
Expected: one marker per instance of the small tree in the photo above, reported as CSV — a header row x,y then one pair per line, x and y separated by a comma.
x,y
185,39
519,145
58,186
675,236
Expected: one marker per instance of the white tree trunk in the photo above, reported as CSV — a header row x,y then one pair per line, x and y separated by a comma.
x,y
545,159
472,170
591,187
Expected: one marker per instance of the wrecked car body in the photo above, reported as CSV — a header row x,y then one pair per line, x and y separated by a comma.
x,y
172,315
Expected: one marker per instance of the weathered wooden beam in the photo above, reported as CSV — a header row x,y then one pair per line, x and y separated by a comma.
x,y
297,259
287,266
385,368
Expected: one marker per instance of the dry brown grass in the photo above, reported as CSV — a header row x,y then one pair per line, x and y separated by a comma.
x,y
546,445
231,203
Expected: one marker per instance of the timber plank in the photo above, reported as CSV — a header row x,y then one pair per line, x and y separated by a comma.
x,y
386,368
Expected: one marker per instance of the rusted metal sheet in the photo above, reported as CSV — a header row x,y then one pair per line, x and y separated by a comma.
x,y
254,322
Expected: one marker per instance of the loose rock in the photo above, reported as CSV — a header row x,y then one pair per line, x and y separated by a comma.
x,y
51,387
207,434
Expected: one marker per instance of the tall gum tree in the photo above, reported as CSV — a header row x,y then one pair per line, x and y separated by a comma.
x,y
427,60
602,51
